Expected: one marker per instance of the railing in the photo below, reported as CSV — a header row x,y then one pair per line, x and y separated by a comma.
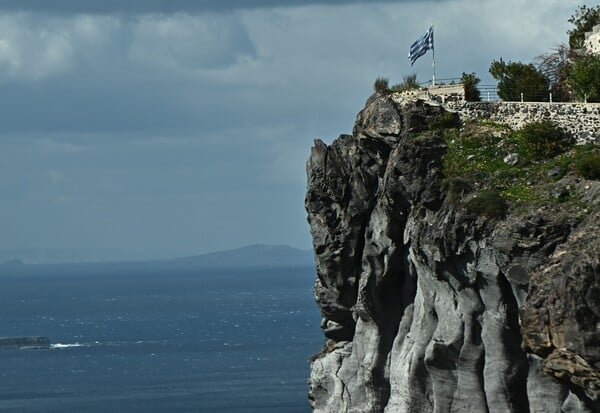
x,y
439,82
488,93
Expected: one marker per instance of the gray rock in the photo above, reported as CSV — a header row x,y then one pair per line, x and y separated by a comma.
x,y
511,159
560,193
554,172
429,309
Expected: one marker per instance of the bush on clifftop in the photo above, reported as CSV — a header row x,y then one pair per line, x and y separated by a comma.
x,y
408,83
588,165
470,81
381,85
543,140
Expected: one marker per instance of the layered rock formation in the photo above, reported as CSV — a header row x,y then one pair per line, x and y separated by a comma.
x,y
428,307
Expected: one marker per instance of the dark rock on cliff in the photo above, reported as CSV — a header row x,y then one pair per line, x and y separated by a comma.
x,y
429,307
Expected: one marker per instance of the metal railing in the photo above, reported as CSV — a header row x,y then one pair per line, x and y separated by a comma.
x,y
488,93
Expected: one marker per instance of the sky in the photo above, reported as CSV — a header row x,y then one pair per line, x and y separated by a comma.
x,y
161,128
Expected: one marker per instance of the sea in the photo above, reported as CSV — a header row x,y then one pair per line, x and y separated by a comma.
x,y
158,340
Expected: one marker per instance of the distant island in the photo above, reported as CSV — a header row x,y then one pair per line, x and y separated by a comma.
x,y
251,256
257,255
14,262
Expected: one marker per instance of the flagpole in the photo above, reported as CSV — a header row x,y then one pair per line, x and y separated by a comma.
x,y
433,54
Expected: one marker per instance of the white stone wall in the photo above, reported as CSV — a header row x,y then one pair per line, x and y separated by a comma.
x,y
592,40
438,93
582,120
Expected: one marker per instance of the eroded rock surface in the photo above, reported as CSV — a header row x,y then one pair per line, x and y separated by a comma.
x,y
427,308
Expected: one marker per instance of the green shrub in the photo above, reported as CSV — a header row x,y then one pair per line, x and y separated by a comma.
x,y
381,85
408,83
446,120
487,203
470,82
521,192
543,140
588,165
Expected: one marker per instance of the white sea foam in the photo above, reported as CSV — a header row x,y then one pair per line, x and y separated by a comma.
x,y
61,345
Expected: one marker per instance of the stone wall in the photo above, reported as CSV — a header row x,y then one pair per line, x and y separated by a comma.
x,y
582,120
438,93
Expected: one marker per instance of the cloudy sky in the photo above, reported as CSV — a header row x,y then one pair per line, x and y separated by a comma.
x,y
161,128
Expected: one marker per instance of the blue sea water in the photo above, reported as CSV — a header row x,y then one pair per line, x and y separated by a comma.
x,y
159,341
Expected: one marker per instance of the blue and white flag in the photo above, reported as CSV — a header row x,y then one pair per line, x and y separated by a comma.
x,y
420,47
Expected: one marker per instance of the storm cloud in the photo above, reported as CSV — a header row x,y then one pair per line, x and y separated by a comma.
x,y
167,6
180,127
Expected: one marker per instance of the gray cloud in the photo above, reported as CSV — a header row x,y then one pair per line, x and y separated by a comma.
x,y
167,6
186,132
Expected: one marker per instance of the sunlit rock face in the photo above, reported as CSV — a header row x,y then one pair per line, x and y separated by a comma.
x,y
429,308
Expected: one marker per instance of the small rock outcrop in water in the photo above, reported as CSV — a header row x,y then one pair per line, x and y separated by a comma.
x,y
431,305
32,342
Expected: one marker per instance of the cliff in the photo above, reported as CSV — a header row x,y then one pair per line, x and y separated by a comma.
x,y
452,275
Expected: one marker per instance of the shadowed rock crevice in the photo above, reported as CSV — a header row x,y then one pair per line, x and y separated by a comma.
x,y
520,366
428,307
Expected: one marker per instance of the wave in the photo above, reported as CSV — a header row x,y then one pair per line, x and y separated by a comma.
x,y
107,343
69,345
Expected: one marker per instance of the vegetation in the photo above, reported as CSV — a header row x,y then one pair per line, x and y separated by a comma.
x,y
588,165
470,82
490,168
515,78
447,120
408,83
479,179
456,188
381,85
584,77
566,71
556,66
542,140
488,203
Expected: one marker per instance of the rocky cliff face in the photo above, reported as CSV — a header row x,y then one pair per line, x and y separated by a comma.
x,y
429,307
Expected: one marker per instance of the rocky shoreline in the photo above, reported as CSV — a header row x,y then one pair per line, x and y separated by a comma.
x,y
20,343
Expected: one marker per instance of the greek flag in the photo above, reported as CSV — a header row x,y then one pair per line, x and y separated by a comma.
x,y
420,47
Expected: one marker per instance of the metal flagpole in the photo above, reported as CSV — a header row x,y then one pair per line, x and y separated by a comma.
x,y
433,53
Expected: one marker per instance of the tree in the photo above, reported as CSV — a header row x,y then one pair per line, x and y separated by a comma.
x,y
556,66
584,78
470,81
584,19
516,78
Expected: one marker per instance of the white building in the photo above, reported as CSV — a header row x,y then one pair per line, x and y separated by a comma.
x,y
592,40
